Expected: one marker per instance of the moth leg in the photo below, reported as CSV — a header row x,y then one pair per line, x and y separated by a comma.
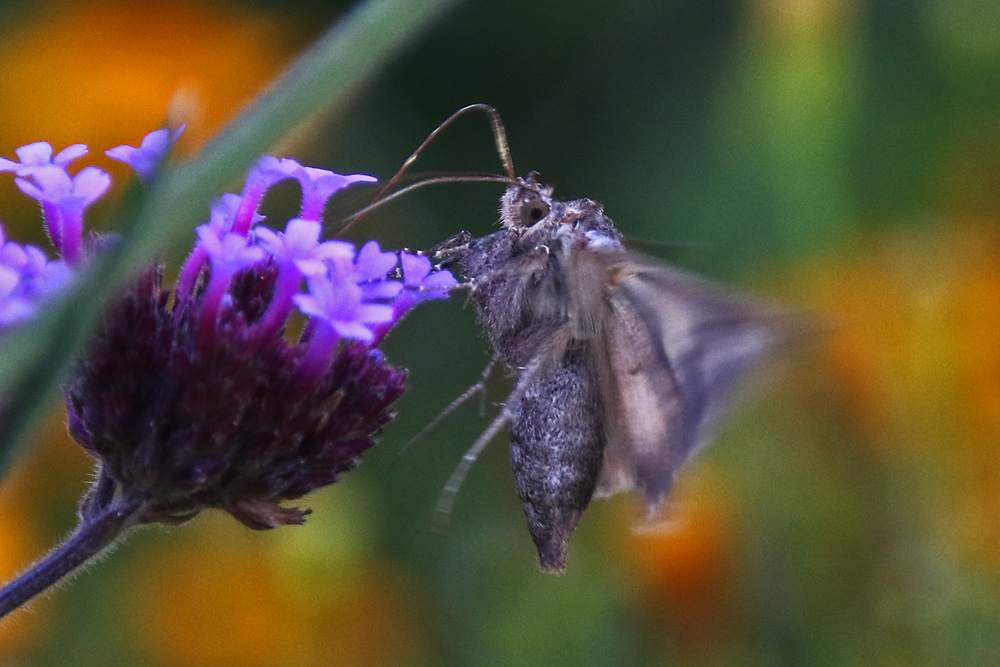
x,y
477,388
440,288
457,244
446,500
528,262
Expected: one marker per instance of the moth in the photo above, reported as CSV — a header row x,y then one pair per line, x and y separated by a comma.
x,y
622,364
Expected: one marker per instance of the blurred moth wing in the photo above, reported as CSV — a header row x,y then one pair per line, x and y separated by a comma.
x,y
623,364
674,350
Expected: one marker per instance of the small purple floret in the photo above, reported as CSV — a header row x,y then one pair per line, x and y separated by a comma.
x,y
64,199
27,278
147,157
419,284
300,245
318,185
340,305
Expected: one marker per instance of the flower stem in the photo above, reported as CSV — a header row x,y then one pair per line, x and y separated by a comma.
x,y
93,535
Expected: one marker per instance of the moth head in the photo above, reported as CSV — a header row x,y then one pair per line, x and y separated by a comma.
x,y
525,203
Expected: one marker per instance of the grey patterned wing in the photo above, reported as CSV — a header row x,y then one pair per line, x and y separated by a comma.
x,y
674,349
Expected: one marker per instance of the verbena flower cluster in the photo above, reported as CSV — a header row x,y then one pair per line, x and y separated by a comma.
x,y
196,397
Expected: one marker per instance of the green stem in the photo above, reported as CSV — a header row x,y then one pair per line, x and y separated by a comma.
x,y
94,534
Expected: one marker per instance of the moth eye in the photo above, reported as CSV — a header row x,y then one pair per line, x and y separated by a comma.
x,y
534,210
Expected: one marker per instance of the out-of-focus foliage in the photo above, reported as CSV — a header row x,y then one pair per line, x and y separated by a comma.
x,y
842,155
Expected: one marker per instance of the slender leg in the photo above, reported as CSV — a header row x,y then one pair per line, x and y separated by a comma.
x,y
478,387
446,500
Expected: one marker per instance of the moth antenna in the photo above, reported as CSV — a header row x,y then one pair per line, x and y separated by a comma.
x,y
499,137
446,500
478,387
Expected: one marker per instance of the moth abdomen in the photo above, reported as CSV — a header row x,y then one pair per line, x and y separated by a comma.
x,y
556,448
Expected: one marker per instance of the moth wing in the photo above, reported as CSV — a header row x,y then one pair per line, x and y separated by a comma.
x,y
674,350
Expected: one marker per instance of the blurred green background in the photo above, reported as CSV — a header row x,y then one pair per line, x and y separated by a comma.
x,y
841,155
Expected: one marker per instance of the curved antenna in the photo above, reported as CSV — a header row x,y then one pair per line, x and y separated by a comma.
x,y
499,136
431,180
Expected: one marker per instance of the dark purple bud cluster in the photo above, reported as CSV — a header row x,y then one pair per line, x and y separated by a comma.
x,y
233,426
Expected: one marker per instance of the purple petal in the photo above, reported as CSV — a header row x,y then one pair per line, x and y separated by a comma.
x,y
232,253
68,154
335,250
384,289
224,211
373,313
35,154
269,170
328,182
372,263
9,279
308,304
36,260
441,278
90,184
312,267
146,159
301,237
209,238
56,276
269,238
47,184
15,310
13,256
415,268
349,329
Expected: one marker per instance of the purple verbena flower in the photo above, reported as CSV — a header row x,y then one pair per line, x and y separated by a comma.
x,y
342,307
344,302
204,402
299,245
200,398
298,251
266,172
64,199
227,256
419,284
39,154
146,158
27,278
318,185
13,308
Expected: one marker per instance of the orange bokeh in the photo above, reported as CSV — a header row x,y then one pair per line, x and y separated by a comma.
x,y
686,565
46,480
216,596
104,73
915,354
